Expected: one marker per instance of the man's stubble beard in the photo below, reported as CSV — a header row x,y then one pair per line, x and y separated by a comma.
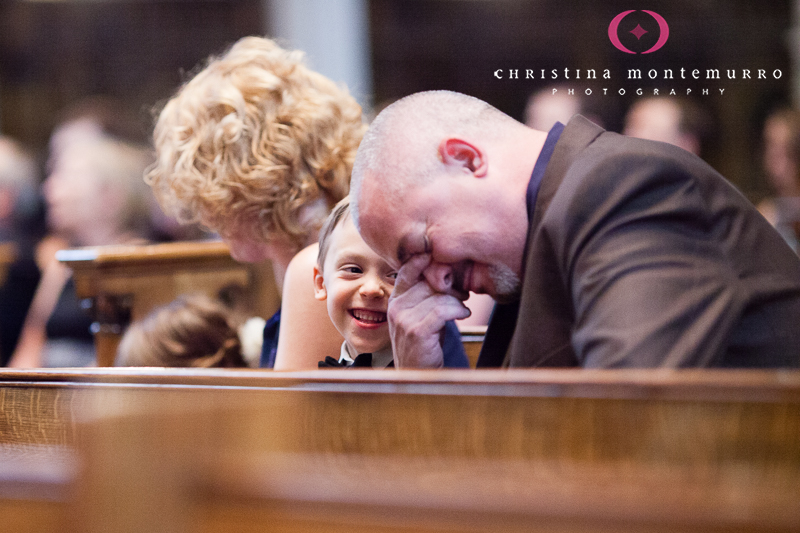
x,y
507,285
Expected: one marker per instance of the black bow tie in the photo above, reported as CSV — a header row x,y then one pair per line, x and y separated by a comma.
x,y
362,360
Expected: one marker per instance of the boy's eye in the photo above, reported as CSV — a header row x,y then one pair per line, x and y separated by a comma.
x,y
352,269
392,275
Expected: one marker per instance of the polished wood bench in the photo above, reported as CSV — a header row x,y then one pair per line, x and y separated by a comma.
x,y
553,450
472,339
8,254
124,283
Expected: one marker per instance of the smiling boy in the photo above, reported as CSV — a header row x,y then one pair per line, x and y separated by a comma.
x,y
356,284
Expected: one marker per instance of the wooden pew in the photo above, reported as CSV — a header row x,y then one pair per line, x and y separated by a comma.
x,y
8,254
35,485
472,339
549,450
124,283
621,452
40,411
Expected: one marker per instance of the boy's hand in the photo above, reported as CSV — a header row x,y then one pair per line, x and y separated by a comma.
x,y
417,317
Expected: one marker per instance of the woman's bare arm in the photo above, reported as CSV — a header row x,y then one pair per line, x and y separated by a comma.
x,y
28,353
307,334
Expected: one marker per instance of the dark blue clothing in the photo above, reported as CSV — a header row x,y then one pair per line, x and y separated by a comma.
x,y
68,319
270,346
454,354
541,165
70,342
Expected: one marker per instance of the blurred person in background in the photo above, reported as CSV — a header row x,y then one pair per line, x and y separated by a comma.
x,y
19,207
99,116
95,196
554,104
781,164
672,120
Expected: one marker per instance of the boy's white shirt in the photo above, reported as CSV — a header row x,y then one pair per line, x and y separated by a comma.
x,y
380,359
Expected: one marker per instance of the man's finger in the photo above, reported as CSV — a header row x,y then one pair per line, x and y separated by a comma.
x,y
427,317
411,272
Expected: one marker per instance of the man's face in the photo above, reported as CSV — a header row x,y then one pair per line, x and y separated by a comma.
x,y
453,221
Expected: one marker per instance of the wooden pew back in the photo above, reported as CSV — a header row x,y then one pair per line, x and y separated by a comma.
x,y
472,339
8,254
446,451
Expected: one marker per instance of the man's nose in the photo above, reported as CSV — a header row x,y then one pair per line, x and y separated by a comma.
x,y
439,276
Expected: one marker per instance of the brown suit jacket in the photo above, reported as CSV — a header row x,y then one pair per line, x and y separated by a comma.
x,y
639,254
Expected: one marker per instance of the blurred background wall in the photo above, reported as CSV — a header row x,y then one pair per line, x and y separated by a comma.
x,y
54,53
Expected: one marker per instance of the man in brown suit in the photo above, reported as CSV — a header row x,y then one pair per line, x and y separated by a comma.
x,y
603,251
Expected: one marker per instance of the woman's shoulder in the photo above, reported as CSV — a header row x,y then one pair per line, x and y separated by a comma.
x,y
304,260
300,272
300,310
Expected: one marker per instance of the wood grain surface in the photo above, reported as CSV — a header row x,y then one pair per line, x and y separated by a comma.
x,y
8,254
546,450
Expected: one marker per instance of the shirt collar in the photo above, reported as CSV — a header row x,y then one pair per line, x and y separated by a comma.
x,y
380,359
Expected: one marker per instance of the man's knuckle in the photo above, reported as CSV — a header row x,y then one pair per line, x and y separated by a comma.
x,y
441,313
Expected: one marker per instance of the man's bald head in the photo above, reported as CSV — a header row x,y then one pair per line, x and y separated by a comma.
x,y
401,145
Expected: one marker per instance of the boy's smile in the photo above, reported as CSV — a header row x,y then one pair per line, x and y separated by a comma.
x,y
367,318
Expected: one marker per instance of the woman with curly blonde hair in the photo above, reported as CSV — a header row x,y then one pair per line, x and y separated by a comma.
x,y
258,148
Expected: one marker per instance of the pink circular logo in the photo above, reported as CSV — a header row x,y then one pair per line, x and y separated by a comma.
x,y
638,31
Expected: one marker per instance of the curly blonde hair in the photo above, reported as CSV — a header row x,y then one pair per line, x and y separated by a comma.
x,y
253,139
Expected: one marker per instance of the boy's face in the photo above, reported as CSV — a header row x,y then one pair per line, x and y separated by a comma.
x,y
357,284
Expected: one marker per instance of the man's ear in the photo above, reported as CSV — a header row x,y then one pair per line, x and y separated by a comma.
x,y
319,285
457,152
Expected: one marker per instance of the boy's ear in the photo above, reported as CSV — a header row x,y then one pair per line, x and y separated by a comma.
x,y
319,285
460,153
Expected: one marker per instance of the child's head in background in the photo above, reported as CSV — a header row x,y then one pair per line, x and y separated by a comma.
x,y
192,331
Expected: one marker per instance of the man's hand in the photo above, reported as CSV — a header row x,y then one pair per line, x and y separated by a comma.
x,y
417,317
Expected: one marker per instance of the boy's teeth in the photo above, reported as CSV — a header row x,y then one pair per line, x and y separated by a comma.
x,y
369,316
